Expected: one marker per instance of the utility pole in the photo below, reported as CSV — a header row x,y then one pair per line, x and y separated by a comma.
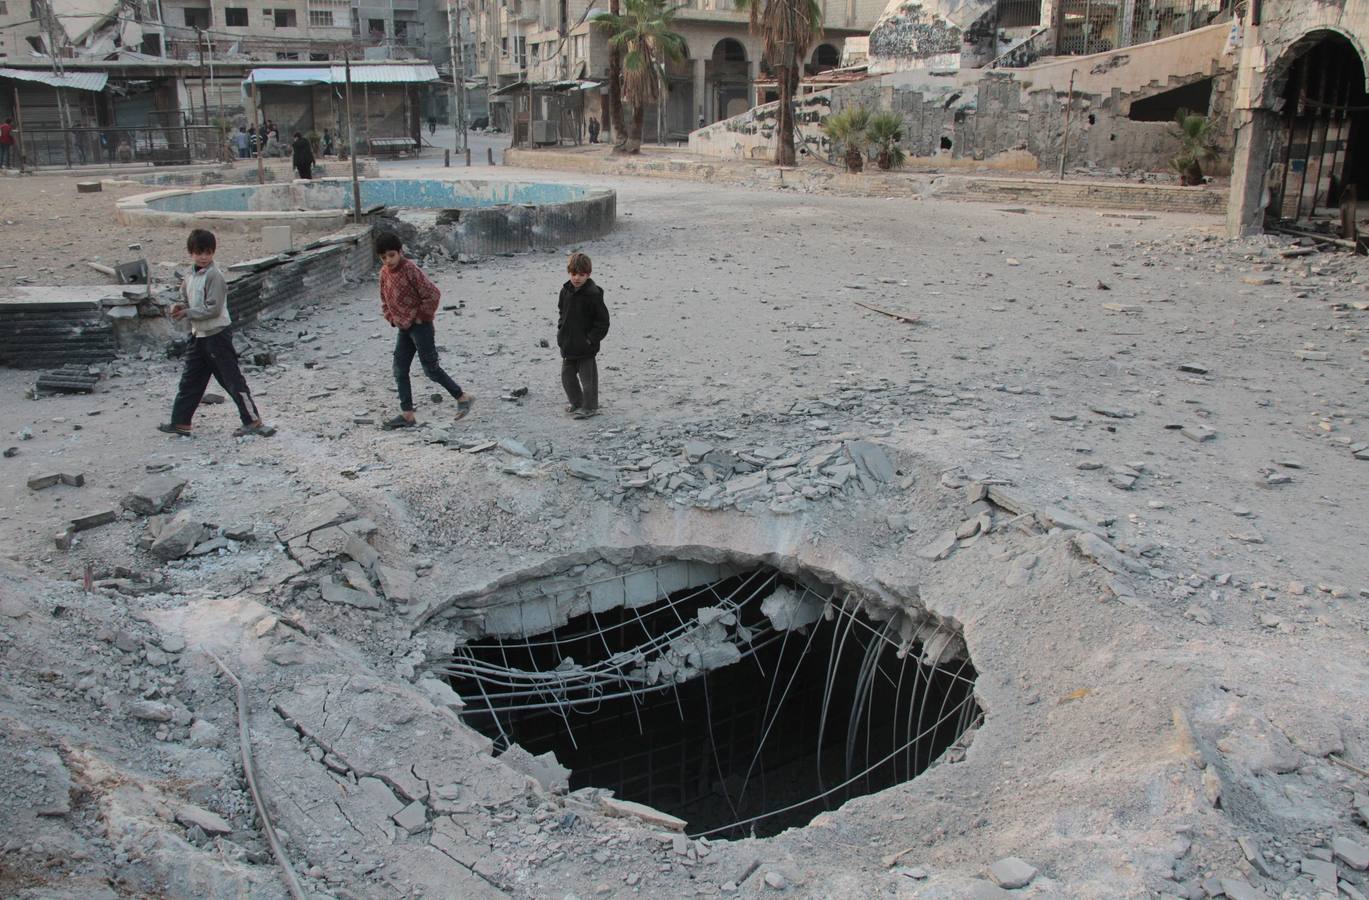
x,y
204,94
454,13
351,139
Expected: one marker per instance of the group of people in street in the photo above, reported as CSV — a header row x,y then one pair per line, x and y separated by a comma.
x,y
409,301
265,141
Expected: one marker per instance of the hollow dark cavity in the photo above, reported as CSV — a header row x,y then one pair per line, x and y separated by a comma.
x,y
745,704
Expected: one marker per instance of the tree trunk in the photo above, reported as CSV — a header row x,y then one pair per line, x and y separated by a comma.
x,y
855,159
784,149
634,135
615,86
884,160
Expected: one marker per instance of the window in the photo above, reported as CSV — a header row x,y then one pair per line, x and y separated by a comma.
x,y
319,57
196,18
376,29
235,16
577,45
321,17
285,18
287,56
4,8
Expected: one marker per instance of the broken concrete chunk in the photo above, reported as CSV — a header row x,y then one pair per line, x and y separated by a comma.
x,y
178,537
1198,433
42,482
154,495
544,768
1240,889
190,815
328,509
612,806
787,610
940,548
1106,555
1012,873
695,451
514,448
358,549
93,520
150,710
412,818
1352,853
345,596
588,470
1324,874
872,460
1055,517
399,585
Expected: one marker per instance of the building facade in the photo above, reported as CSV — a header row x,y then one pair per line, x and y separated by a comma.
x,y
1301,116
551,40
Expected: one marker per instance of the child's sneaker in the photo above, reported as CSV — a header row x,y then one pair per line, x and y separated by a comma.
x,y
585,414
398,422
463,406
175,430
572,409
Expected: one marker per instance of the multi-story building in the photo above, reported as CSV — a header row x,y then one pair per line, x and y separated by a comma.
x,y
549,40
258,29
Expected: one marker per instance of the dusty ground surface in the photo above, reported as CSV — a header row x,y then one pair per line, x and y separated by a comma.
x,y
50,232
1171,650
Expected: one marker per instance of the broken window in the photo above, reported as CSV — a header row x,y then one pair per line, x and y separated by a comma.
x,y
235,16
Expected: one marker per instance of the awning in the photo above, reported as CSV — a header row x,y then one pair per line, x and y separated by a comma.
x,y
80,81
387,73
299,76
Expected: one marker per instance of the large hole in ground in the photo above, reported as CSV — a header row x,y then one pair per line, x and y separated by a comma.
x,y
745,702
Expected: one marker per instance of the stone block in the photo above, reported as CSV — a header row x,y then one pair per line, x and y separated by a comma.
x,y
94,520
400,585
154,495
345,596
178,537
277,239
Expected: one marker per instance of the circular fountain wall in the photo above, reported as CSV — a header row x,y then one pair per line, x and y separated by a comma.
x,y
485,217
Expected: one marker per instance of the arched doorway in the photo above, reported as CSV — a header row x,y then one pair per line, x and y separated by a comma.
x,y
728,79
825,58
1320,156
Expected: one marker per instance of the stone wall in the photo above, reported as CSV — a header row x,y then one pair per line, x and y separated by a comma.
x,y
1003,118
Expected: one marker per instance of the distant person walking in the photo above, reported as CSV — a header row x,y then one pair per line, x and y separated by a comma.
x,y
302,156
6,142
242,142
432,124
593,130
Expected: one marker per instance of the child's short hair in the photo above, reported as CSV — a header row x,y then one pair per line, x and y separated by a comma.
x,y
579,264
387,241
201,241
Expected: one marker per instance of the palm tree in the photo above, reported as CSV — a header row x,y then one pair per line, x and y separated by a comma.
x,y
885,131
1197,138
849,129
642,34
790,27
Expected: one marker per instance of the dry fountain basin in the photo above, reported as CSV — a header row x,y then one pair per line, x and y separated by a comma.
x,y
475,217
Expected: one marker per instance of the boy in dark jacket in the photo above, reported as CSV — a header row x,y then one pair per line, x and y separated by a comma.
x,y
408,300
581,326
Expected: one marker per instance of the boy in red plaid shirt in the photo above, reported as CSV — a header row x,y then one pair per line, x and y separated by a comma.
x,y
408,300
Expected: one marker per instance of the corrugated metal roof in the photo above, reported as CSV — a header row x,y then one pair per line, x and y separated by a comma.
x,y
387,73
316,75
81,81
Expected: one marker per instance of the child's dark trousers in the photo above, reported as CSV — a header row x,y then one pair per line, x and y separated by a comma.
x,y
419,338
580,378
205,358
